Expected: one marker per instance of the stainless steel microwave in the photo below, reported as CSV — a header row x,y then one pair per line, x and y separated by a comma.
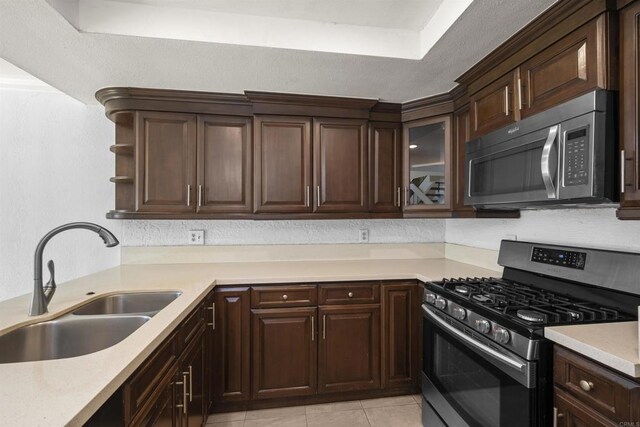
x,y
564,155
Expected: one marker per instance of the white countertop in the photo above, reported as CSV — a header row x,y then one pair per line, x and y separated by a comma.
x,y
68,391
612,344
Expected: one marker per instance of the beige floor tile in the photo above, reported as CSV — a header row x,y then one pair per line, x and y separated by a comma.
x,y
227,424
226,416
291,421
355,418
387,401
396,416
334,407
418,399
289,411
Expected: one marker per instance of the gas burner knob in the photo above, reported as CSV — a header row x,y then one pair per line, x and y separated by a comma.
x,y
502,335
430,298
441,303
483,326
459,313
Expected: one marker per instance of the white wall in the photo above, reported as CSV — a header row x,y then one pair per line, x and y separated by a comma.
x,y
595,227
172,233
54,168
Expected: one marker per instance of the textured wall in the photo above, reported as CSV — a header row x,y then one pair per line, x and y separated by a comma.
x,y
169,233
597,227
54,168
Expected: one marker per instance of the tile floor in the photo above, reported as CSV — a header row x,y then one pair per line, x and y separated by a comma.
x,y
399,411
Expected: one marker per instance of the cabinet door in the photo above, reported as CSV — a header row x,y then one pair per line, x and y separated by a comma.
x,y
349,352
193,392
630,111
385,167
571,413
164,410
209,336
340,167
461,135
282,164
224,164
284,352
231,344
400,302
166,162
562,71
494,106
428,168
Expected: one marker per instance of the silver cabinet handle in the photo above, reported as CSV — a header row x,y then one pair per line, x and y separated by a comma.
x,y
318,195
399,203
307,196
190,383
182,383
586,385
188,195
405,196
313,329
506,100
556,416
213,316
324,326
545,164
200,188
350,294
519,94
623,165
285,297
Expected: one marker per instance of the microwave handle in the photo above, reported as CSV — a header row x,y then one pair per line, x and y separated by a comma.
x,y
545,164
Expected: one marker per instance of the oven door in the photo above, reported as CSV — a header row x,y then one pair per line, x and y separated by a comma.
x,y
520,170
468,381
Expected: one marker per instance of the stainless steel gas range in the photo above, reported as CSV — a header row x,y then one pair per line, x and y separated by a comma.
x,y
485,359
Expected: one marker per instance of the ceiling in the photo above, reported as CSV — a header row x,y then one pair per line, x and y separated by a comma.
x,y
38,39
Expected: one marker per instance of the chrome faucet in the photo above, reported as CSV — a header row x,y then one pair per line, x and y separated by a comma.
x,y
42,294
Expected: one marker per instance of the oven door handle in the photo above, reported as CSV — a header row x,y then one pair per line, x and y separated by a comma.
x,y
545,162
515,364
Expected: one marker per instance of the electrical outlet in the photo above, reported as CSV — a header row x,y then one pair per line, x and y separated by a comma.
x,y
196,237
363,236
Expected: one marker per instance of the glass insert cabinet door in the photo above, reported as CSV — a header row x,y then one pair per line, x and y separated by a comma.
x,y
427,159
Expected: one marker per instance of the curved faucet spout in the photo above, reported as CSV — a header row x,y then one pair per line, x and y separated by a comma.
x,y
40,299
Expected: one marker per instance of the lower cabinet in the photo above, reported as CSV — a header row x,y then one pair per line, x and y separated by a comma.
x,y
349,348
284,352
283,343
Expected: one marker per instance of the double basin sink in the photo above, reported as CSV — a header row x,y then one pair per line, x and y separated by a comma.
x,y
92,327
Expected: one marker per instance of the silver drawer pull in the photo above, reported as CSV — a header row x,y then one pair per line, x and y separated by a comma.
x,y
285,297
586,385
350,294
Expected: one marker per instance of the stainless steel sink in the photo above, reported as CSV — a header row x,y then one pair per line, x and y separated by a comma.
x,y
147,303
66,337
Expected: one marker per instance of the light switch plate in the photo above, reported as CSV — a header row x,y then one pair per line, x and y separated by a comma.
x,y
196,237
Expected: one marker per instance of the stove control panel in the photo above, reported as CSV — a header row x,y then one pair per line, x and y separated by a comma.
x,y
558,257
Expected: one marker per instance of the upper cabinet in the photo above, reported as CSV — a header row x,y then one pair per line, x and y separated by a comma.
x,y
166,170
340,165
427,179
629,112
385,167
224,164
283,169
495,106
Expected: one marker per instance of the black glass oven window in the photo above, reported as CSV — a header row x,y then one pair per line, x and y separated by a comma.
x,y
515,170
482,394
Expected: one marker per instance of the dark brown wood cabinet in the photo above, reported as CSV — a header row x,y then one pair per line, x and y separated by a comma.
x,y
400,325
231,345
352,330
340,165
283,168
284,352
590,394
224,164
194,382
461,135
495,106
630,111
563,70
166,162
385,167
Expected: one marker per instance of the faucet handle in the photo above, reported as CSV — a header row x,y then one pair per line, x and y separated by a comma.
x,y
50,287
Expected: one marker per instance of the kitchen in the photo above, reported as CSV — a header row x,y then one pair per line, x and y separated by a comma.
x,y
398,217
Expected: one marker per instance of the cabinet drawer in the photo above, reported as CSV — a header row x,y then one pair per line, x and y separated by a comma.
x,y
141,385
597,387
349,293
569,412
190,328
284,296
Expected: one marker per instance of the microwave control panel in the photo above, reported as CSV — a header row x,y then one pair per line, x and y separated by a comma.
x,y
576,158
558,257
